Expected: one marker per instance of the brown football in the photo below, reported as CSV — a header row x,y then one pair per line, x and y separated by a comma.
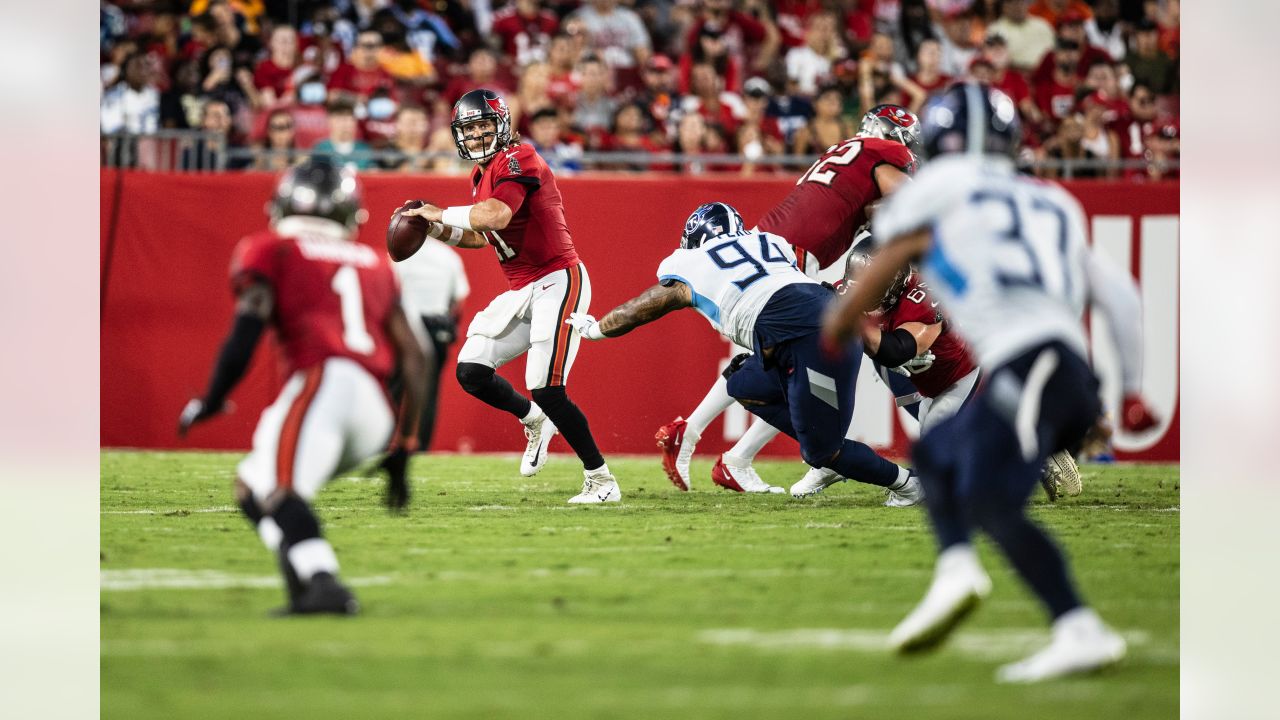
x,y
406,234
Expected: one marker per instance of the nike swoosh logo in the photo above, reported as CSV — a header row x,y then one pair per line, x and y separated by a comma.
x,y
544,287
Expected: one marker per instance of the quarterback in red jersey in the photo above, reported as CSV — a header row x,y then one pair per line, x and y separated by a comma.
x,y
519,212
335,308
819,217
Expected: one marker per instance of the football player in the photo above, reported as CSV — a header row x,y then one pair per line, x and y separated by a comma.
x,y
820,217
335,308
518,212
746,284
1007,256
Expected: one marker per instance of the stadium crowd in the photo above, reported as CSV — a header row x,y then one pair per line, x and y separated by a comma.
x,y
1095,80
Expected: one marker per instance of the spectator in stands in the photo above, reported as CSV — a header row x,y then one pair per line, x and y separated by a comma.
x,y
1103,84
563,84
658,94
409,142
1029,37
409,66
881,78
244,46
482,72
180,104
355,81
209,151
1105,30
378,126
1140,124
274,75
722,110
244,11
1071,27
526,29
793,112
828,126
428,34
1056,94
1096,138
593,112
132,103
277,153
693,138
958,33
343,142
811,62
1148,63
928,74
224,81
858,25
546,135
531,96
615,33
746,36
1163,149
321,49
1066,145
759,133
1053,10
712,49
632,131
1009,81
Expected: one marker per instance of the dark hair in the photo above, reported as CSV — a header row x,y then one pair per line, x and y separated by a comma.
x,y
646,118
543,114
340,106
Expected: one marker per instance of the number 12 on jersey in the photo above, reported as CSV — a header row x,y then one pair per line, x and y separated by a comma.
x,y
847,152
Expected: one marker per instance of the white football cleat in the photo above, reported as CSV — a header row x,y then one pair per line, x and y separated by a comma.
x,y
598,486
539,433
1081,643
1062,468
740,478
959,585
911,493
814,482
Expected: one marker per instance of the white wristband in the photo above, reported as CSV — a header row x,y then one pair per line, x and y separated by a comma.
x,y
455,237
435,230
458,216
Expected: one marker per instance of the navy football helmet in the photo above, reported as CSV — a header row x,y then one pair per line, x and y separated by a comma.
x,y
710,221
970,118
319,186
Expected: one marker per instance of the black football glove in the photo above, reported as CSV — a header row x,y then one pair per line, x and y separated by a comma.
x,y
396,463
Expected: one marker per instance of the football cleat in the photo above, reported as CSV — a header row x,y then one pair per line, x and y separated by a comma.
x,y
1081,643
324,594
740,478
598,486
675,458
814,482
911,493
1062,469
539,433
959,585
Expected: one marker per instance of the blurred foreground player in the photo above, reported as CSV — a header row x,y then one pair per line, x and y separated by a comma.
x,y
745,283
1007,257
820,218
336,312
519,212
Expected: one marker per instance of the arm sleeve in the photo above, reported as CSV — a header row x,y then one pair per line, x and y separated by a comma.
x,y
511,192
254,260
916,204
1114,292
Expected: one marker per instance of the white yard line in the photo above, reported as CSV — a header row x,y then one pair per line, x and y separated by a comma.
x,y
174,579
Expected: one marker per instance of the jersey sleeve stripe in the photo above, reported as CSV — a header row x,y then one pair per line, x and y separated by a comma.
x,y
291,430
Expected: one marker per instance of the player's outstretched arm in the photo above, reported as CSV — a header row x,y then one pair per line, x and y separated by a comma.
x,y
253,309
1113,291
845,319
644,308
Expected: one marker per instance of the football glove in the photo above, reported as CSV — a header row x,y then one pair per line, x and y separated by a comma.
x,y
586,326
917,364
193,412
396,463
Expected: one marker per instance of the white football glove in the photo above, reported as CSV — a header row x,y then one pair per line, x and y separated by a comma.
x,y
917,364
586,326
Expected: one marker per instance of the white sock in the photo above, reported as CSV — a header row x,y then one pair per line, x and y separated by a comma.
x,y
903,476
754,440
736,460
715,403
312,556
270,533
602,470
1082,617
534,413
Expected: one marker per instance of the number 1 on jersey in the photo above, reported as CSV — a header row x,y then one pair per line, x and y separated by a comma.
x,y
346,283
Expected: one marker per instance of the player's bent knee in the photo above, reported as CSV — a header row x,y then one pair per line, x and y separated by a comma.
x,y
552,395
819,454
473,376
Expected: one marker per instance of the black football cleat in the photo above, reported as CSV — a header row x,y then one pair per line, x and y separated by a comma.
x,y
324,594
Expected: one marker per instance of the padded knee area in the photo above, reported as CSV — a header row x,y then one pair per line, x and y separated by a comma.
x,y
473,376
296,520
818,454
550,397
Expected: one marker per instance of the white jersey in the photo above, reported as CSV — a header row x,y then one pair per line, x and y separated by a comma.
x,y
732,277
1009,260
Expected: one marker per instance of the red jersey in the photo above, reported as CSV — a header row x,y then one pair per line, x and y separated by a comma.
x,y
270,75
829,202
953,359
362,82
525,38
536,242
332,296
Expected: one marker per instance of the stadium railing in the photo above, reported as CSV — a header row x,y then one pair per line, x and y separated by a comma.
x,y
198,151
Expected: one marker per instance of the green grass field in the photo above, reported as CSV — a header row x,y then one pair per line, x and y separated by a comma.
x,y
493,598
